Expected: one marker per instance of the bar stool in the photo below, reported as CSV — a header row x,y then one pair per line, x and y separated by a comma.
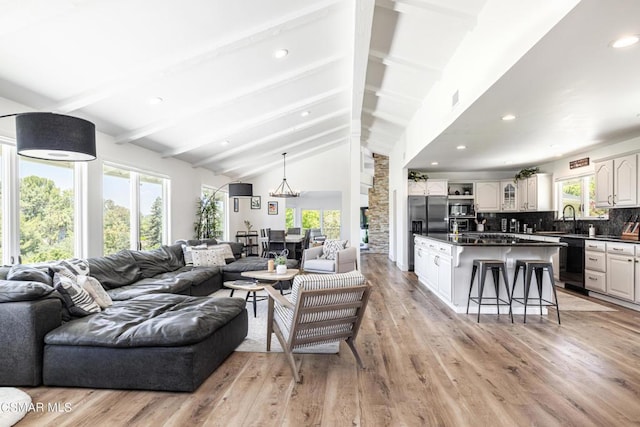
x,y
537,266
495,266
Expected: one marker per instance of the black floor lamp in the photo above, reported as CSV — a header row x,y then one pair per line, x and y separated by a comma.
x,y
52,136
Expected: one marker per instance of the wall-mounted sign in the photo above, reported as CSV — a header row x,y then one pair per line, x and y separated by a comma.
x,y
579,163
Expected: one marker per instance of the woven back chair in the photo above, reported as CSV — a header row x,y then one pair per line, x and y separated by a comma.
x,y
320,309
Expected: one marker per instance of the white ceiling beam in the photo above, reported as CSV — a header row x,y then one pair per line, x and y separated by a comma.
x,y
256,143
171,64
361,44
396,96
393,119
381,132
468,19
391,61
245,92
237,127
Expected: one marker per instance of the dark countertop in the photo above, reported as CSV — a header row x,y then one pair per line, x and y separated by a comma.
x,y
488,239
586,237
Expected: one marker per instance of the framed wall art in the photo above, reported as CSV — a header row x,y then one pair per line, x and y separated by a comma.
x,y
256,202
272,208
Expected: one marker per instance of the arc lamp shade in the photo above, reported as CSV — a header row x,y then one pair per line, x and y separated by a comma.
x,y
239,189
52,136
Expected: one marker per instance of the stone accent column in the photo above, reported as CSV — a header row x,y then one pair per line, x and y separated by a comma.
x,y
379,206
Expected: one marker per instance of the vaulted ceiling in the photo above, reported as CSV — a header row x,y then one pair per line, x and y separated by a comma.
x,y
200,80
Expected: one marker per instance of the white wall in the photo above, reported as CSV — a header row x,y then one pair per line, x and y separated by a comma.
x,y
327,171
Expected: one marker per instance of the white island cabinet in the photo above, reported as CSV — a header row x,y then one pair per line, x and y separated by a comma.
x,y
444,267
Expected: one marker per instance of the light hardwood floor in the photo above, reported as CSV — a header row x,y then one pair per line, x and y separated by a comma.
x,y
425,366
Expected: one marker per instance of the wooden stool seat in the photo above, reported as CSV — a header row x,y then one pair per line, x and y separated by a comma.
x,y
537,267
495,266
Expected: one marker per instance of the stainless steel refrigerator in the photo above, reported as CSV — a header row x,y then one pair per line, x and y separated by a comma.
x,y
427,214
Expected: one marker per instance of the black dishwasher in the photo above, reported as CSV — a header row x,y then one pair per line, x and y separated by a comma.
x,y
572,263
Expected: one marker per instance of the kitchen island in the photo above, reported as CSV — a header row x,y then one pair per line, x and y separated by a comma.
x,y
443,263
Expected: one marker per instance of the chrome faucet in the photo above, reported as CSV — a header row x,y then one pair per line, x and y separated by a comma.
x,y
573,210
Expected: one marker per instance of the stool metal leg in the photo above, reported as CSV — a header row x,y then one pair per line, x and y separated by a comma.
x,y
538,272
481,279
527,288
473,276
496,281
555,295
506,287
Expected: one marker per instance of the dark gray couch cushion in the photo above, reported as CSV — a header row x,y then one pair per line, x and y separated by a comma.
x,y
15,290
151,285
150,321
115,270
29,273
157,261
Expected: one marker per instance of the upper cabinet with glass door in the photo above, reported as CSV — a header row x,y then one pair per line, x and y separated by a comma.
x,y
508,193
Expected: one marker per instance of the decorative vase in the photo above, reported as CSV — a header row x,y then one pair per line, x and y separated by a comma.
x,y
281,269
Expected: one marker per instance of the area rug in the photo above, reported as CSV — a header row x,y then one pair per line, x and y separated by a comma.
x,y
568,302
14,405
256,340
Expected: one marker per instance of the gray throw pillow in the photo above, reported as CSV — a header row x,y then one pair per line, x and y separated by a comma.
x,y
14,290
77,300
29,274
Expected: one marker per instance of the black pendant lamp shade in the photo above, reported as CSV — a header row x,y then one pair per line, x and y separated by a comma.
x,y
55,137
240,189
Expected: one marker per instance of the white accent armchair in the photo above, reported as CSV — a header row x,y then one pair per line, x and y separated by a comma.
x,y
346,260
320,309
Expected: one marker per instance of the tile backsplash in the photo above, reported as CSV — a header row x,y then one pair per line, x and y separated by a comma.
x,y
546,221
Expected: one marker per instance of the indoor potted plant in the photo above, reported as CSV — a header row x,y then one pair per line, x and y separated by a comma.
x,y
281,264
525,173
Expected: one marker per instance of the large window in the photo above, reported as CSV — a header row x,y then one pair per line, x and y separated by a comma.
x,y
327,220
46,210
2,205
580,194
134,210
218,215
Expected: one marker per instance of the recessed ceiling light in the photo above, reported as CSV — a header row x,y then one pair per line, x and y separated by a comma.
x,y
155,100
508,162
434,163
461,147
225,142
625,41
305,113
280,53
508,117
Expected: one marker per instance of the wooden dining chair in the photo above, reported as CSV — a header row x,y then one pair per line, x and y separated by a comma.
x,y
320,309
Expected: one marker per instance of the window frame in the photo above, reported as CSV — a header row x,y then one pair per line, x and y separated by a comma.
x,y
585,199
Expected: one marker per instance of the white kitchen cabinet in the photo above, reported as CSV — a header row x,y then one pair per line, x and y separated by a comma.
x,y
488,196
620,270
534,193
595,266
436,187
444,276
420,260
417,188
508,193
617,182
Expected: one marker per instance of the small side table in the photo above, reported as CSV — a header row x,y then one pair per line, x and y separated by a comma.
x,y
271,276
248,287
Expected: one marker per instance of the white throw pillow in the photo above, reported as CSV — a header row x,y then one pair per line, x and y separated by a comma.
x,y
78,301
331,248
187,251
95,289
227,253
208,258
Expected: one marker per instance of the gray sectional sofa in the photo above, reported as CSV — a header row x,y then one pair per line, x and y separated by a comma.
x,y
161,333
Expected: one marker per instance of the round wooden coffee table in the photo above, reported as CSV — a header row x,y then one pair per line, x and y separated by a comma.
x,y
271,276
249,287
